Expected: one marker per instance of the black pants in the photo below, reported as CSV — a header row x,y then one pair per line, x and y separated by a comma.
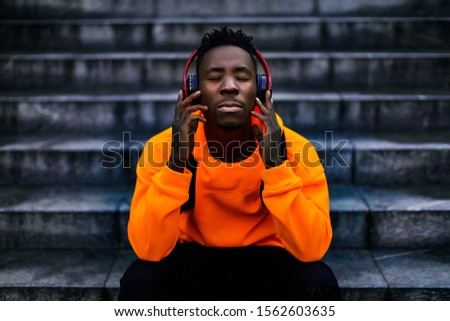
x,y
194,272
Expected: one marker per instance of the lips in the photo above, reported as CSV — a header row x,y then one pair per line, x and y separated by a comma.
x,y
230,107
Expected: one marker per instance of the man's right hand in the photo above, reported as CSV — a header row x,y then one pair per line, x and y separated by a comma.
x,y
184,126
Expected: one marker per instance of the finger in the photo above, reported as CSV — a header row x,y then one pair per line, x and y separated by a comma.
x,y
179,108
192,109
261,106
194,124
198,117
186,104
192,120
269,100
261,117
191,98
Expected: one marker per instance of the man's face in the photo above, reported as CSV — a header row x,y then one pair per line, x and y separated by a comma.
x,y
227,80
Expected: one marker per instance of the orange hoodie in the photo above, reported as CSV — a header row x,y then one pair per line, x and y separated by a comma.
x,y
229,212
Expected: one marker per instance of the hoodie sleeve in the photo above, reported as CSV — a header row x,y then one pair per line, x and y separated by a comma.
x,y
155,208
296,194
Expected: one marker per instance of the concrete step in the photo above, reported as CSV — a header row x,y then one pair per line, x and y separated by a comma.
x,y
77,217
412,217
62,217
402,159
95,275
270,33
350,217
399,275
206,8
383,159
68,160
164,70
65,217
58,275
348,158
101,113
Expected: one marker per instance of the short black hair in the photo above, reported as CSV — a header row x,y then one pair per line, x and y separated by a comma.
x,y
222,37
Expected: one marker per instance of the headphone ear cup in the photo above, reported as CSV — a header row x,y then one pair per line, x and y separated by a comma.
x,y
192,84
261,87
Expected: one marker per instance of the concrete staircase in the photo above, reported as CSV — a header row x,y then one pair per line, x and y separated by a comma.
x,y
84,85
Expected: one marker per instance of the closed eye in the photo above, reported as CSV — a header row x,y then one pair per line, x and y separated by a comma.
x,y
214,78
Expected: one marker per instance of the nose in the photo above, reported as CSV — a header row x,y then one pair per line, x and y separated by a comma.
x,y
229,86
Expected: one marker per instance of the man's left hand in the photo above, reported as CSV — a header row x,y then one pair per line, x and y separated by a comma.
x,y
269,141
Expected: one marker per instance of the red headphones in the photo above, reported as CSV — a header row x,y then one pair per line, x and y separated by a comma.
x,y
263,82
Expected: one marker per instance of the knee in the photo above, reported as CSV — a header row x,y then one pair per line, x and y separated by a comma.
x,y
142,280
317,281
321,273
138,270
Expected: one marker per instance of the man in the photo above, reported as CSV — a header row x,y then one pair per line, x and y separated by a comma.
x,y
258,223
